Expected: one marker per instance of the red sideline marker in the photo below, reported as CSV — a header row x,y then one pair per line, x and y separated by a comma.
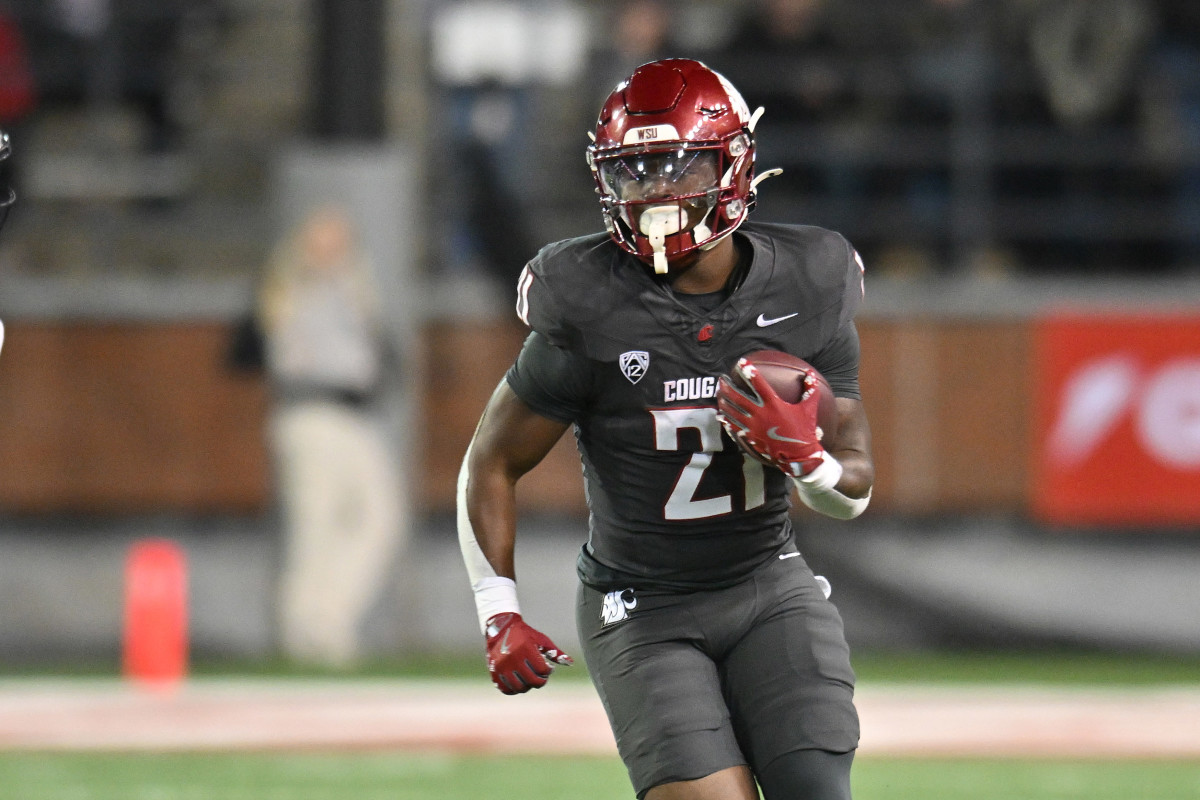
x,y
156,636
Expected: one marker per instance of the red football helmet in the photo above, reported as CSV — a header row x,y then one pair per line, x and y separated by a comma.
x,y
673,160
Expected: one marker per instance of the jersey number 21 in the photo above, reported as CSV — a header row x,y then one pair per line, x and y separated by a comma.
x,y
682,504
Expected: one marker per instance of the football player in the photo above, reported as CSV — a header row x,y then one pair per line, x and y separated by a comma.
x,y
718,657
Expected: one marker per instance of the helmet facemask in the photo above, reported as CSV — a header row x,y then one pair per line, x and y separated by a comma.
x,y
664,201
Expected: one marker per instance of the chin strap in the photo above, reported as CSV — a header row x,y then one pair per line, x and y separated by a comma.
x,y
701,231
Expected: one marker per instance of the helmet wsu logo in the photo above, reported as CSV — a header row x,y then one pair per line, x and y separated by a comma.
x,y
634,364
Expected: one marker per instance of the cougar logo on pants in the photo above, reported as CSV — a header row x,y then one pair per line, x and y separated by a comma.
x,y
617,606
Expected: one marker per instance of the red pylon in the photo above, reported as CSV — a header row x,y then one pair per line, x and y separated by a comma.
x,y
156,614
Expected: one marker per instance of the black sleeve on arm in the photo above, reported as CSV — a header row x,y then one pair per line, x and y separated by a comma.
x,y
838,362
553,381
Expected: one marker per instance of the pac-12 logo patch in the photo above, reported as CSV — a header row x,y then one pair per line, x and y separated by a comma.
x,y
617,606
634,364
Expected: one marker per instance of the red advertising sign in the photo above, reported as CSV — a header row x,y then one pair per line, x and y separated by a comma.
x,y
1118,421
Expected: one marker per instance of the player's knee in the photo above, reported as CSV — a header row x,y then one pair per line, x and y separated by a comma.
x,y
808,774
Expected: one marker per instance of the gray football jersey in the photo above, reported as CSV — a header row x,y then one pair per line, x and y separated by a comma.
x,y
674,503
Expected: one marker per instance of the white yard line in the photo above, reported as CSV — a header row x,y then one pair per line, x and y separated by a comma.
x,y
566,718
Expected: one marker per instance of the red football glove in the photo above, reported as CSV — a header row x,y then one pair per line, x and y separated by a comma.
x,y
519,657
768,427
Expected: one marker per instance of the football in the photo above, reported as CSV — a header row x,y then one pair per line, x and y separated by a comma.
x,y
785,373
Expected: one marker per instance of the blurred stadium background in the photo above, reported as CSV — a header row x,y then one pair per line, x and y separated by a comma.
x,y
1022,178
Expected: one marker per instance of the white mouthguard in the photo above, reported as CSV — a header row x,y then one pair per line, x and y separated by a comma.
x,y
657,223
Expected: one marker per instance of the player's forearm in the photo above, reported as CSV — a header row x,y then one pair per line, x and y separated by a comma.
x,y
486,537
858,473
511,440
491,509
487,515
852,450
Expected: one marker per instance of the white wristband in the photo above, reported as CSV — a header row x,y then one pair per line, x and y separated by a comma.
x,y
825,476
494,596
817,491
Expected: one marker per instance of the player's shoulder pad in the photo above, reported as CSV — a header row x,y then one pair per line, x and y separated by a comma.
x,y
559,289
820,264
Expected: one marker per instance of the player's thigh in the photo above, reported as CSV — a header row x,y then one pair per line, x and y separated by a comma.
x,y
788,682
662,693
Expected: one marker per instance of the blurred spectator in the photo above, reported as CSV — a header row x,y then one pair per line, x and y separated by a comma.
x,y
1172,121
487,227
73,58
339,483
784,54
941,55
1084,60
793,58
493,62
640,32
148,34
106,53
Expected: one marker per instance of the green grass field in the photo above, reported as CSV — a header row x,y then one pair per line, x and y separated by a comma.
x,y
1042,667
409,776
406,776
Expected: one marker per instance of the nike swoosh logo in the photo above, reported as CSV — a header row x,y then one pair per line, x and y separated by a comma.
x,y
504,644
779,437
788,555
764,322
